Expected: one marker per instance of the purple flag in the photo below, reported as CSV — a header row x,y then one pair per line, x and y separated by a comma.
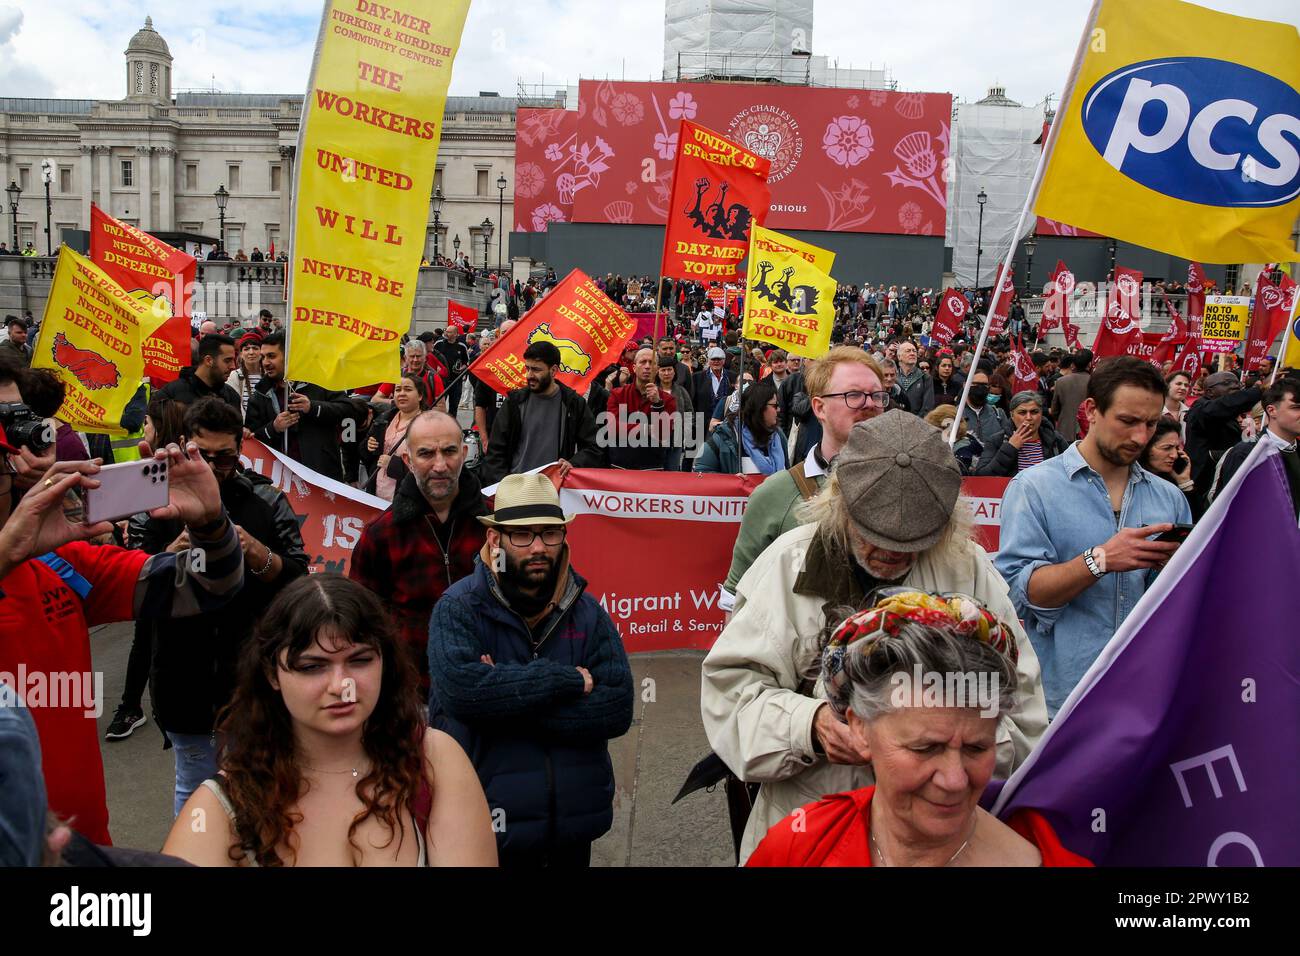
x,y
1180,746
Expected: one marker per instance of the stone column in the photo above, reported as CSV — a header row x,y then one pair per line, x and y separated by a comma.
x,y
143,157
105,179
87,184
286,196
166,188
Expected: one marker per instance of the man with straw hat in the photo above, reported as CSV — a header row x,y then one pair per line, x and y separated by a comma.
x,y
528,672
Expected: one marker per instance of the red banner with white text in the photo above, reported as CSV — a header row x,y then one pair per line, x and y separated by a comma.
x,y
669,602
952,309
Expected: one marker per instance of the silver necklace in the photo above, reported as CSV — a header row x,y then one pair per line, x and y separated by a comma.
x,y
969,837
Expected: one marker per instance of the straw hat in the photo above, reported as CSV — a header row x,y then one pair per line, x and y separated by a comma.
x,y
526,500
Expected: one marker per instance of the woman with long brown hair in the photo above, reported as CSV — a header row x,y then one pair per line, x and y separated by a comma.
x,y
326,759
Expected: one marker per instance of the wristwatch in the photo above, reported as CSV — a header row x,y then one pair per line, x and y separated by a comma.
x,y
1095,559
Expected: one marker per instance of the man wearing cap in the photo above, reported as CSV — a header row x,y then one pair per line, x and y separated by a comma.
x,y
889,515
710,384
1212,426
528,673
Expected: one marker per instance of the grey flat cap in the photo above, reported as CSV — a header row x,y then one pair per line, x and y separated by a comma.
x,y
900,481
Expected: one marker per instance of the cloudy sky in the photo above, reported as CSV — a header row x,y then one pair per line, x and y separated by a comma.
x,y
73,48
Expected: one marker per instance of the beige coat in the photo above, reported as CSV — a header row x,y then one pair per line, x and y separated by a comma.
x,y
759,690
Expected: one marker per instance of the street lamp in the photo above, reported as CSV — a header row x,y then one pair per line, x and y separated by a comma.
x,y
501,206
222,197
437,211
455,243
13,190
1030,245
982,198
47,176
486,226
1113,245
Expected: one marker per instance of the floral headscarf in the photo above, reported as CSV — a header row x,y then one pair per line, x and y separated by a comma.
x,y
957,612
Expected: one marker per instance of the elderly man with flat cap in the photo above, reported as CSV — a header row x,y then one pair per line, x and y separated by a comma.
x,y
888,516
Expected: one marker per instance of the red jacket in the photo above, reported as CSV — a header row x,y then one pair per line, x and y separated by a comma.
x,y
836,831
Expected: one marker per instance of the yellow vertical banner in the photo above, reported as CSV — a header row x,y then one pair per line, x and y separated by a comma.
x,y
789,294
90,337
366,154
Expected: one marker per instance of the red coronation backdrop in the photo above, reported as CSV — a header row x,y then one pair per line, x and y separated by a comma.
x,y
842,160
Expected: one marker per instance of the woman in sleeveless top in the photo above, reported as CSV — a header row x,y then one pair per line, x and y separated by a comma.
x,y
325,756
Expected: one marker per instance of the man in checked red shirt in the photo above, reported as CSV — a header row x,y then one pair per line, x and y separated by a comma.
x,y
55,586
427,539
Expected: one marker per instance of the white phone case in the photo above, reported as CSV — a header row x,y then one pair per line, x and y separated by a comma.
x,y
126,489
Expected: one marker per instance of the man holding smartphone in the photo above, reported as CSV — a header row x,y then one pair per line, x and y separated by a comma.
x,y
55,586
1077,545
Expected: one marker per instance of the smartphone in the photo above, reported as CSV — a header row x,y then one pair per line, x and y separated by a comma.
x,y
1175,535
126,489
1181,463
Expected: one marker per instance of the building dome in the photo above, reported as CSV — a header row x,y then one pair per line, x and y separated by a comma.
x,y
148,40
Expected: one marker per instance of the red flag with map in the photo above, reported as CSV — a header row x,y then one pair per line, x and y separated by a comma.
x,y
464,317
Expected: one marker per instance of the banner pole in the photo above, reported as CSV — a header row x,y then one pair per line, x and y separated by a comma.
x,y
1037,182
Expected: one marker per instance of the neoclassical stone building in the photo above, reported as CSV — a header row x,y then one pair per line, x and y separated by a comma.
x,y
156,160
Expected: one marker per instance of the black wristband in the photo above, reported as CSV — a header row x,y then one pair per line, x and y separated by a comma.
x,y
212,530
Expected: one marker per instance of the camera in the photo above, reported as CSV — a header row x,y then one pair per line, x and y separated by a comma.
x,y
24,429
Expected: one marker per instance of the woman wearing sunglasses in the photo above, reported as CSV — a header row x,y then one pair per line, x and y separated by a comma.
x,y
193,674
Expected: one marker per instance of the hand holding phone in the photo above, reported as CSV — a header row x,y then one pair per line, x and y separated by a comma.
x,y
127,489
1175,535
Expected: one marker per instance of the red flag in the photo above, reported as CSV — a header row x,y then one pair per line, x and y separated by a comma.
x,y
1178,330
719,190
1024,377
581,321
1123,314
998,322
952,309
1189,358
1072,336
464,317
1056,303
1196,286
270,254
1151,347
149,269
1271,314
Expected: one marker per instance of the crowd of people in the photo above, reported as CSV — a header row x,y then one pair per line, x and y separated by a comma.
x,y
460,683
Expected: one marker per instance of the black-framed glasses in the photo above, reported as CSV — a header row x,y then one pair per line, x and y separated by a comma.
x,y
523,537
858,400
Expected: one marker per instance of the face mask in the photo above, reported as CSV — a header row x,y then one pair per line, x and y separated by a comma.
x,y
978,394
993,399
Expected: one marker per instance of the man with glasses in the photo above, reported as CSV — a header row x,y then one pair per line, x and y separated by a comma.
x,y
195,659
844,388
528,673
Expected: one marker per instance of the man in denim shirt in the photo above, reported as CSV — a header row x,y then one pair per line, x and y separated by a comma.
x,y
1076,529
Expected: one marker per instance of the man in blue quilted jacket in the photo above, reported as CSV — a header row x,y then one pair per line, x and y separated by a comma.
x,y
528,672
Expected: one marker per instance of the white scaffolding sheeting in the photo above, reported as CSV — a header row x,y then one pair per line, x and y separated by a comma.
x,y
741,29
995,149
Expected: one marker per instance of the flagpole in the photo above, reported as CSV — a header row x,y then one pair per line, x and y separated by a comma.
x,y
1043,159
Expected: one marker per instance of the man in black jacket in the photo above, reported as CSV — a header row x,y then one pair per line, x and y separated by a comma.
x,y
455,356
195,658
1212,425
208,376
710,384
543,422
298,419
